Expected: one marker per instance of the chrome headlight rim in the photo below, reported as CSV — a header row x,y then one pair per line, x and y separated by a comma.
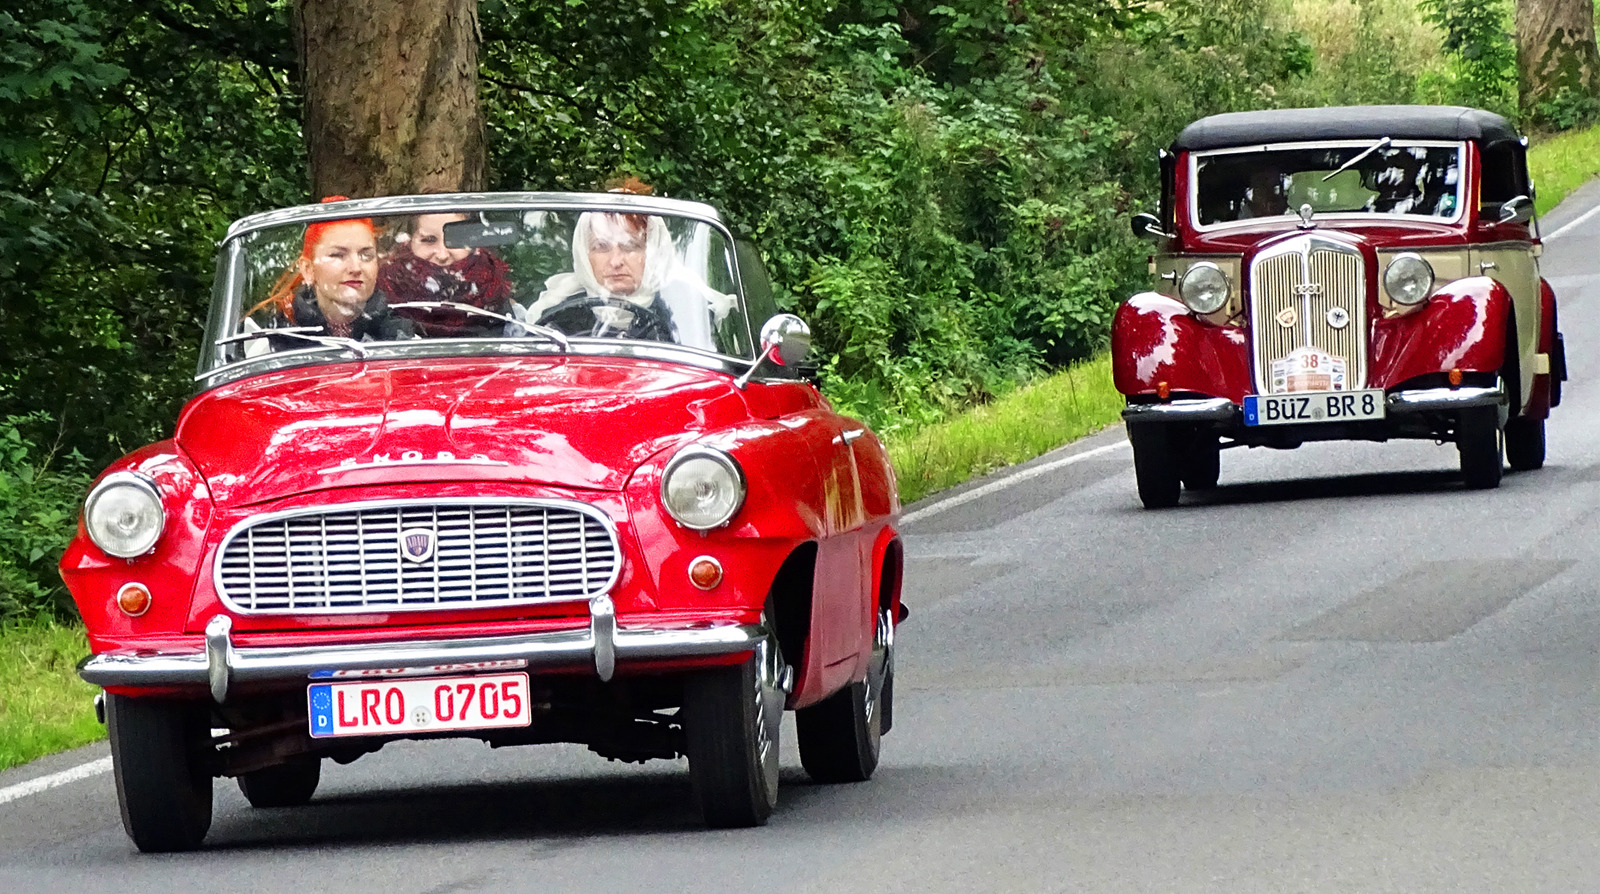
x,y
1208,302
145,485
721,459
1399,265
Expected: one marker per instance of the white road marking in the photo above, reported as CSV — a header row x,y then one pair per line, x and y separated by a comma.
x,y
72,774
991,487
1574,222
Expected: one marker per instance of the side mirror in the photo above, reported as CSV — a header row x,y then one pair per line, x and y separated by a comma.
x,y
1517,210
785,342
1148,226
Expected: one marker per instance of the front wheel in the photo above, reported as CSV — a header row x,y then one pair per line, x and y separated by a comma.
x,y
286,785
1481,446
1155,464
731,719
1200,465
1525,444
163,780
841,737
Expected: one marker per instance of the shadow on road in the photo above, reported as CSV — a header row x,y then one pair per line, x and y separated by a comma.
x,y
1366,485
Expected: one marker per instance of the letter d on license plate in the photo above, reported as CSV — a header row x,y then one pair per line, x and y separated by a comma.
x,y
420,704
1313,406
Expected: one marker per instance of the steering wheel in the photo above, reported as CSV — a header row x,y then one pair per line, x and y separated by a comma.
x,y
577,316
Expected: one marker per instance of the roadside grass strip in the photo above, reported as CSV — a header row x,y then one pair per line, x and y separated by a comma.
x,y
44,707
1562,163
1027,422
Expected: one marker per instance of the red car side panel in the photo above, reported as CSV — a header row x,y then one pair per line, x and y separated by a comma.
x,y
1154,339
1461,327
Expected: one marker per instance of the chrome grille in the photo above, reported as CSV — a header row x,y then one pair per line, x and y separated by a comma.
x,y
351,559
1307,277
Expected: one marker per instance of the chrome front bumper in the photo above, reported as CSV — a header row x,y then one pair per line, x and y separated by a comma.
x,y
602,644
1220,409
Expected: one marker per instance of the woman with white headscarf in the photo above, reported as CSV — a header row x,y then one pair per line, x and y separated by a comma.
x,y
619,262
627,282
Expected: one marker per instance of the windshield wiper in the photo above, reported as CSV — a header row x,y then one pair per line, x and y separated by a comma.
x,y
304,333
1352,162
549,333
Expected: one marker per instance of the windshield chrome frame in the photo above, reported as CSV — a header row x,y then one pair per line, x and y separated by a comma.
x,y
467,347
1193,197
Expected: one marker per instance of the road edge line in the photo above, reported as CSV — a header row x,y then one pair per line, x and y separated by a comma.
x,y
984,490
44,783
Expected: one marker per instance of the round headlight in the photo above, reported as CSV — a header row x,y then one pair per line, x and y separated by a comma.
x,y
702,488
1408,280
1204,288
123,515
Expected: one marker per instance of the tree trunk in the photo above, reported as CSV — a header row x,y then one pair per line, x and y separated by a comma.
x,y
1556,51
391,96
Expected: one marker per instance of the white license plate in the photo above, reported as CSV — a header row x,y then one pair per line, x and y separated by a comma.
x,y
1313,406
429,704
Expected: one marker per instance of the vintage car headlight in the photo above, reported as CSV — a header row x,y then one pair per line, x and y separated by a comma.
x,y
1408,280
702,487
124,516
1204,288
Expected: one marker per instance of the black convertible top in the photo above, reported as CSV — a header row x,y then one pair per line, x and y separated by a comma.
x,y
1344,123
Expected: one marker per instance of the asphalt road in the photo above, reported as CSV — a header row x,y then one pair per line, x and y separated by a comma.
x,y
1339,672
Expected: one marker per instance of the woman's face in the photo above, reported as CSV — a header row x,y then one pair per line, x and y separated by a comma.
x,y
616,255
342,269
427,240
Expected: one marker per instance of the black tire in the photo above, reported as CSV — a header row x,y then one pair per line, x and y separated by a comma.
x,y
1482,447
158,756
841,737
1200,463
286,785
1525,444
731,720
1155,465
1558,369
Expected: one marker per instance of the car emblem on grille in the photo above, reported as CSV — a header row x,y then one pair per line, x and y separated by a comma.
x,y
416,544
1337,317
1314,289
1287,317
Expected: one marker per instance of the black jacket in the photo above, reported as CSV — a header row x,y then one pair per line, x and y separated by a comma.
x,y
376,323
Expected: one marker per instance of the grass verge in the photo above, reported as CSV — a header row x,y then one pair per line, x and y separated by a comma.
x,y
44,707
1019,426
1562,163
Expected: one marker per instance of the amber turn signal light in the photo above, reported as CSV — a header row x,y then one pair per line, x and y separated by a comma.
x,y
1163,390
1455,378
133,599
705,572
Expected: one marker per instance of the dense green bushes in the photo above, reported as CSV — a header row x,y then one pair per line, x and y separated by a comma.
x,y
941,186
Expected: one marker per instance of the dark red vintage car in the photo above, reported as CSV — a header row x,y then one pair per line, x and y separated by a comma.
x,y
1341,273
526,468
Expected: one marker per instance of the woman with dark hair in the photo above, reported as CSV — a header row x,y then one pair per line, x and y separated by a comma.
x,y
424,267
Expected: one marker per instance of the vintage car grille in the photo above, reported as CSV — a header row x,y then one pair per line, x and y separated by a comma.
x,y
1300,282
417,557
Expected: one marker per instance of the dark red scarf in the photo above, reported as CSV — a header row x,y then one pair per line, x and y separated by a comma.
x,y
480,279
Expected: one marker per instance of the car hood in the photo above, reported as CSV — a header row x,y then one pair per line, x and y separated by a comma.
x,y
575,422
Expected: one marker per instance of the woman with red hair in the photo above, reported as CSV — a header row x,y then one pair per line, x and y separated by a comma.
x,y
332,286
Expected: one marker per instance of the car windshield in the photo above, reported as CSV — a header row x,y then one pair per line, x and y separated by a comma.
x,y
1379,177
472,281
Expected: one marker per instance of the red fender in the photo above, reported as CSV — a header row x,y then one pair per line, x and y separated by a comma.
x,y
168,571
1155,339
1538,406
1463,326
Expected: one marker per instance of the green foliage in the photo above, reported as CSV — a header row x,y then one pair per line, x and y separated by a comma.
x,y
1567,110
1483,56
940,186
38,514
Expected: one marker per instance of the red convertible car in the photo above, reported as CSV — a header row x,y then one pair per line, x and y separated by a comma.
x,y
1359,273
525,468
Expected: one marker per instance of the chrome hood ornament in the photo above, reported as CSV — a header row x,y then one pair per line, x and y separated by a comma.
x,y
1305,217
